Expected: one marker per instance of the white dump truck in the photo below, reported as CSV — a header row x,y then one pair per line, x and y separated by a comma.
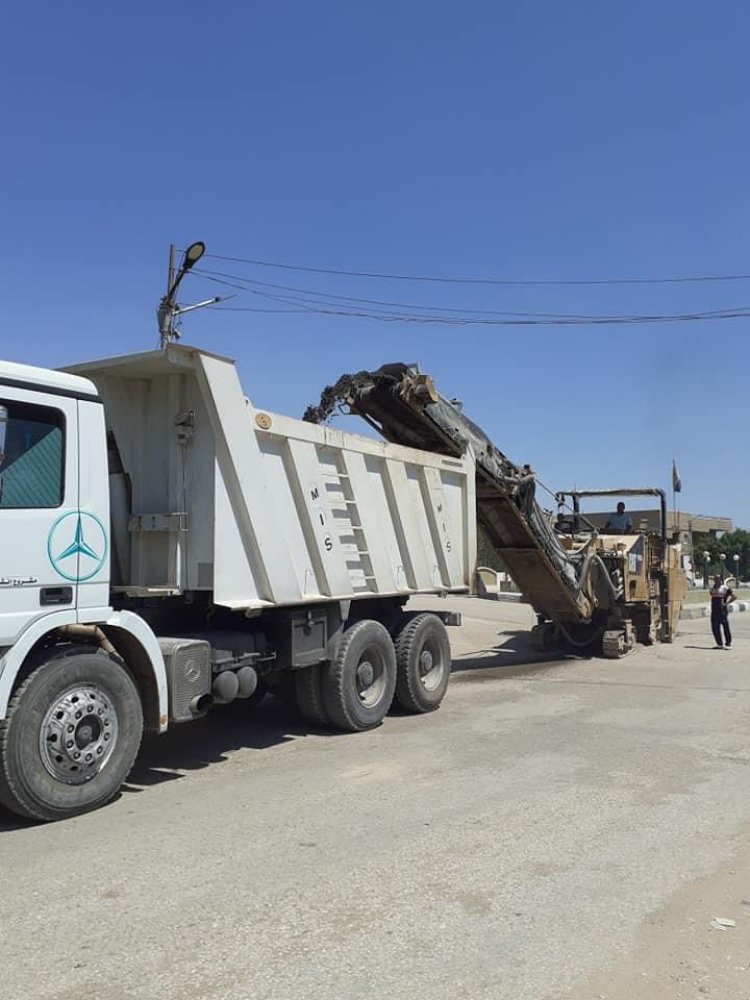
x,y
165,546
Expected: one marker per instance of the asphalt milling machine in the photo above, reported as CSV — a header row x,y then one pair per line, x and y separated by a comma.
x,y
592,592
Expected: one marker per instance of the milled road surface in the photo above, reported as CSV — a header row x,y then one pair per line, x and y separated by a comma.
x,y
551,827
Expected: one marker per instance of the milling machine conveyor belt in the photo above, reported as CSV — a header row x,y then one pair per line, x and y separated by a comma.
x,y
407,410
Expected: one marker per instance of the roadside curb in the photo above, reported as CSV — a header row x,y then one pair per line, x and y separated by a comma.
x,y
502,595
702,611
688,613
509,596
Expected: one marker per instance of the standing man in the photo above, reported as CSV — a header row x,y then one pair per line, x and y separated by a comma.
x,y
619,523
721,598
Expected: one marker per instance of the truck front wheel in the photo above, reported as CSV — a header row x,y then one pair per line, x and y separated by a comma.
x,y
70,738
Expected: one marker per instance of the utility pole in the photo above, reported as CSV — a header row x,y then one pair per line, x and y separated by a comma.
x,y
170,273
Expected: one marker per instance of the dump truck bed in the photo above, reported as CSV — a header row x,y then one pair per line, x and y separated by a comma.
x,y
211,494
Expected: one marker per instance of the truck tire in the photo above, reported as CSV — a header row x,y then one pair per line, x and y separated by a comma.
x,y
70,738
308,687
423,661
359,683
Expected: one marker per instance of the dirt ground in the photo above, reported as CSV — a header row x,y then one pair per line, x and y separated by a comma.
x,y
683,952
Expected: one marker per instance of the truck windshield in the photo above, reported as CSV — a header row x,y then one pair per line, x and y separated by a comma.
x,y
31,456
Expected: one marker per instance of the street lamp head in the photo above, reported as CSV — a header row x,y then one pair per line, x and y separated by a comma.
x,y
167,311
192,255
706,556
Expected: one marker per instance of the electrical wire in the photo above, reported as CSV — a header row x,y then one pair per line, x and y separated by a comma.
x,y
248,284
444,279
319,308
333,304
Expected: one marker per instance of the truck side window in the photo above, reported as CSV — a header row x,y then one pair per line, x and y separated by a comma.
x,y
32,442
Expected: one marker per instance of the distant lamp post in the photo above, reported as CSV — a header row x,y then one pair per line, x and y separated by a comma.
x,y
722,560
736,560
706,560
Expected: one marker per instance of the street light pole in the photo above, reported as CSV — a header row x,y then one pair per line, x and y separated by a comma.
x,y
736,560
171,271
168,311
706,559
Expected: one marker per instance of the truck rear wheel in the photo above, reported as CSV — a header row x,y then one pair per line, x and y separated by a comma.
x,y
423,658
359,683
70,738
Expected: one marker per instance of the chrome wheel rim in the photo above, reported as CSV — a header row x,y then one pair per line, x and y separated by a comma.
x,y
78,734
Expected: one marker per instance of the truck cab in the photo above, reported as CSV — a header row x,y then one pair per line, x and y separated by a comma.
x,y
54,501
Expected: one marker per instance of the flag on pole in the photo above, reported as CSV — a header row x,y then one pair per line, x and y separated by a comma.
x,y
676,481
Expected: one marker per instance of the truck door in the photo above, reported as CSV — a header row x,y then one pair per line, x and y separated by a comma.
x,y
45,547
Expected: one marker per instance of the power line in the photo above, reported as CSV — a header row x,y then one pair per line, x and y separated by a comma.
x,y
442,279
249,285
303,300
320,309
311,300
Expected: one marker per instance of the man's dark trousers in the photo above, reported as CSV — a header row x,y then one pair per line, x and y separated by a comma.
x,y
720,620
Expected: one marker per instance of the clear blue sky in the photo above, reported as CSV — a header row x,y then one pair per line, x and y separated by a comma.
x,y
507,140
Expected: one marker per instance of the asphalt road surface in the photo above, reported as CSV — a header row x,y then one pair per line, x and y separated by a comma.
x,y
558,828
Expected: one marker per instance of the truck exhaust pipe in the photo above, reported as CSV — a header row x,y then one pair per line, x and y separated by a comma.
x,y
201,704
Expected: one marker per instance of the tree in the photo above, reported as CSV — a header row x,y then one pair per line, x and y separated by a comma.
x,y
731,543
